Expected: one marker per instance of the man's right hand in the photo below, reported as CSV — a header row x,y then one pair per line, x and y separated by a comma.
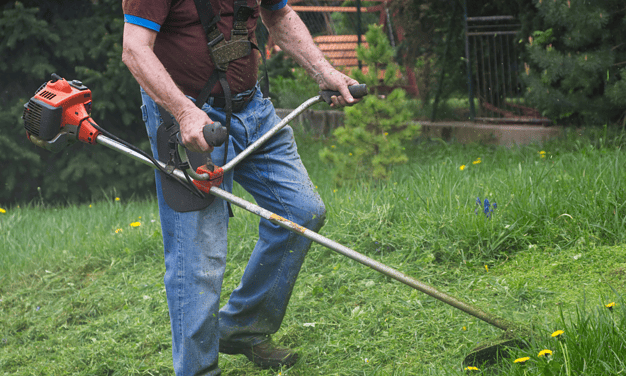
x,y
139,57
192,121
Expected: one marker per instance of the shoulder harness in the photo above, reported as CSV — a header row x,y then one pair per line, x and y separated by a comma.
x,y
182,196
223,52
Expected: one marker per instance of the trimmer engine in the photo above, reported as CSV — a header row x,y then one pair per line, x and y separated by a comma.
x,y
59,115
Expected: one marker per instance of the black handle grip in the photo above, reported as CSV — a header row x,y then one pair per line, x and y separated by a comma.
x,y
357,91
215,134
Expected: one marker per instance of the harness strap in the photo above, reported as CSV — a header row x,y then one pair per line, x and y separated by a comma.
x,y
208,19
228,109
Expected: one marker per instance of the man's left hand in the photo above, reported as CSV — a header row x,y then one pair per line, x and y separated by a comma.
x,y
332,79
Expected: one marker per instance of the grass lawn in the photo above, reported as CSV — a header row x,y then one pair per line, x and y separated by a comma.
x,y
81,289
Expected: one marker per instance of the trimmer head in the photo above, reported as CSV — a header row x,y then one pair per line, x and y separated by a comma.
x,y
489,352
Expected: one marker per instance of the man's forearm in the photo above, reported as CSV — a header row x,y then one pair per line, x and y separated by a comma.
x,y
291,35
152,76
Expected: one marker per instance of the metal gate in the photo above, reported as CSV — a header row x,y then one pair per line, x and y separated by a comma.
x,y
493,56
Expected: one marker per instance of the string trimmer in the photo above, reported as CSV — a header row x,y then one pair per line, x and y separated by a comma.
x,y
59,115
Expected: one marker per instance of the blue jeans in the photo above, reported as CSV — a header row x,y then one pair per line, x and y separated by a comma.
x,y
195,243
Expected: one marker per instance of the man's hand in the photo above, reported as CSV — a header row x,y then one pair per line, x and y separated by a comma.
x,y
149,72
192,121
292,36
332,79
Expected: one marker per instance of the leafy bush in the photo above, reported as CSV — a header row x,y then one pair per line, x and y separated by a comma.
x,y
575,73
77,40
375,129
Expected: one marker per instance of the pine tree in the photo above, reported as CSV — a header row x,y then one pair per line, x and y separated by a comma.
x,y
577,64
371,140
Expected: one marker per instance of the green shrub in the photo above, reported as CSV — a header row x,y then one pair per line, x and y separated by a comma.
x,y
575,73
372,137
376,129
77,40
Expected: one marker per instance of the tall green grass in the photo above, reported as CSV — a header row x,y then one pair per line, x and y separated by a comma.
x,y
575,193
78,297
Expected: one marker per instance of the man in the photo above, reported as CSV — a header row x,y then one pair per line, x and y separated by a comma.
x,y
165,48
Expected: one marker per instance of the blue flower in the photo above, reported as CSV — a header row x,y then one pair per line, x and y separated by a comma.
x,y
487,207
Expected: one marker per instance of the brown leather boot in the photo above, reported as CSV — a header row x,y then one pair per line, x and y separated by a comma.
x,y
265,355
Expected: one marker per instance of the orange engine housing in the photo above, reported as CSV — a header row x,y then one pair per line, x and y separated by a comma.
x,y
59,114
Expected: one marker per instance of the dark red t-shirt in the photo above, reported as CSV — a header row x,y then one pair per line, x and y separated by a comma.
x,y
181,44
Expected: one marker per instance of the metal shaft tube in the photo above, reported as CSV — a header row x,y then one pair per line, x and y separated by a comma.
x,y
252,148
291,226
378,266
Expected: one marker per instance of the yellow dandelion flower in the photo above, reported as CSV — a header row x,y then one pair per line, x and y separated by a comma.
x,y
367,360
557,333
332,146
135,224
89,205
117,199
521,360
470,368
477,161
350,154
462,167
486,267
386,134
2,211
610,305
118,230
542,154
545,352
465,328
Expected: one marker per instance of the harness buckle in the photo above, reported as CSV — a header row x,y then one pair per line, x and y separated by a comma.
x,y
215,41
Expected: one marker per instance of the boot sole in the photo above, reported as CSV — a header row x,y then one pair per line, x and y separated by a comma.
x,y
265,363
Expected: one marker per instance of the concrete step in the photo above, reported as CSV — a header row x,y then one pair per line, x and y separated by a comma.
x,y
321,123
